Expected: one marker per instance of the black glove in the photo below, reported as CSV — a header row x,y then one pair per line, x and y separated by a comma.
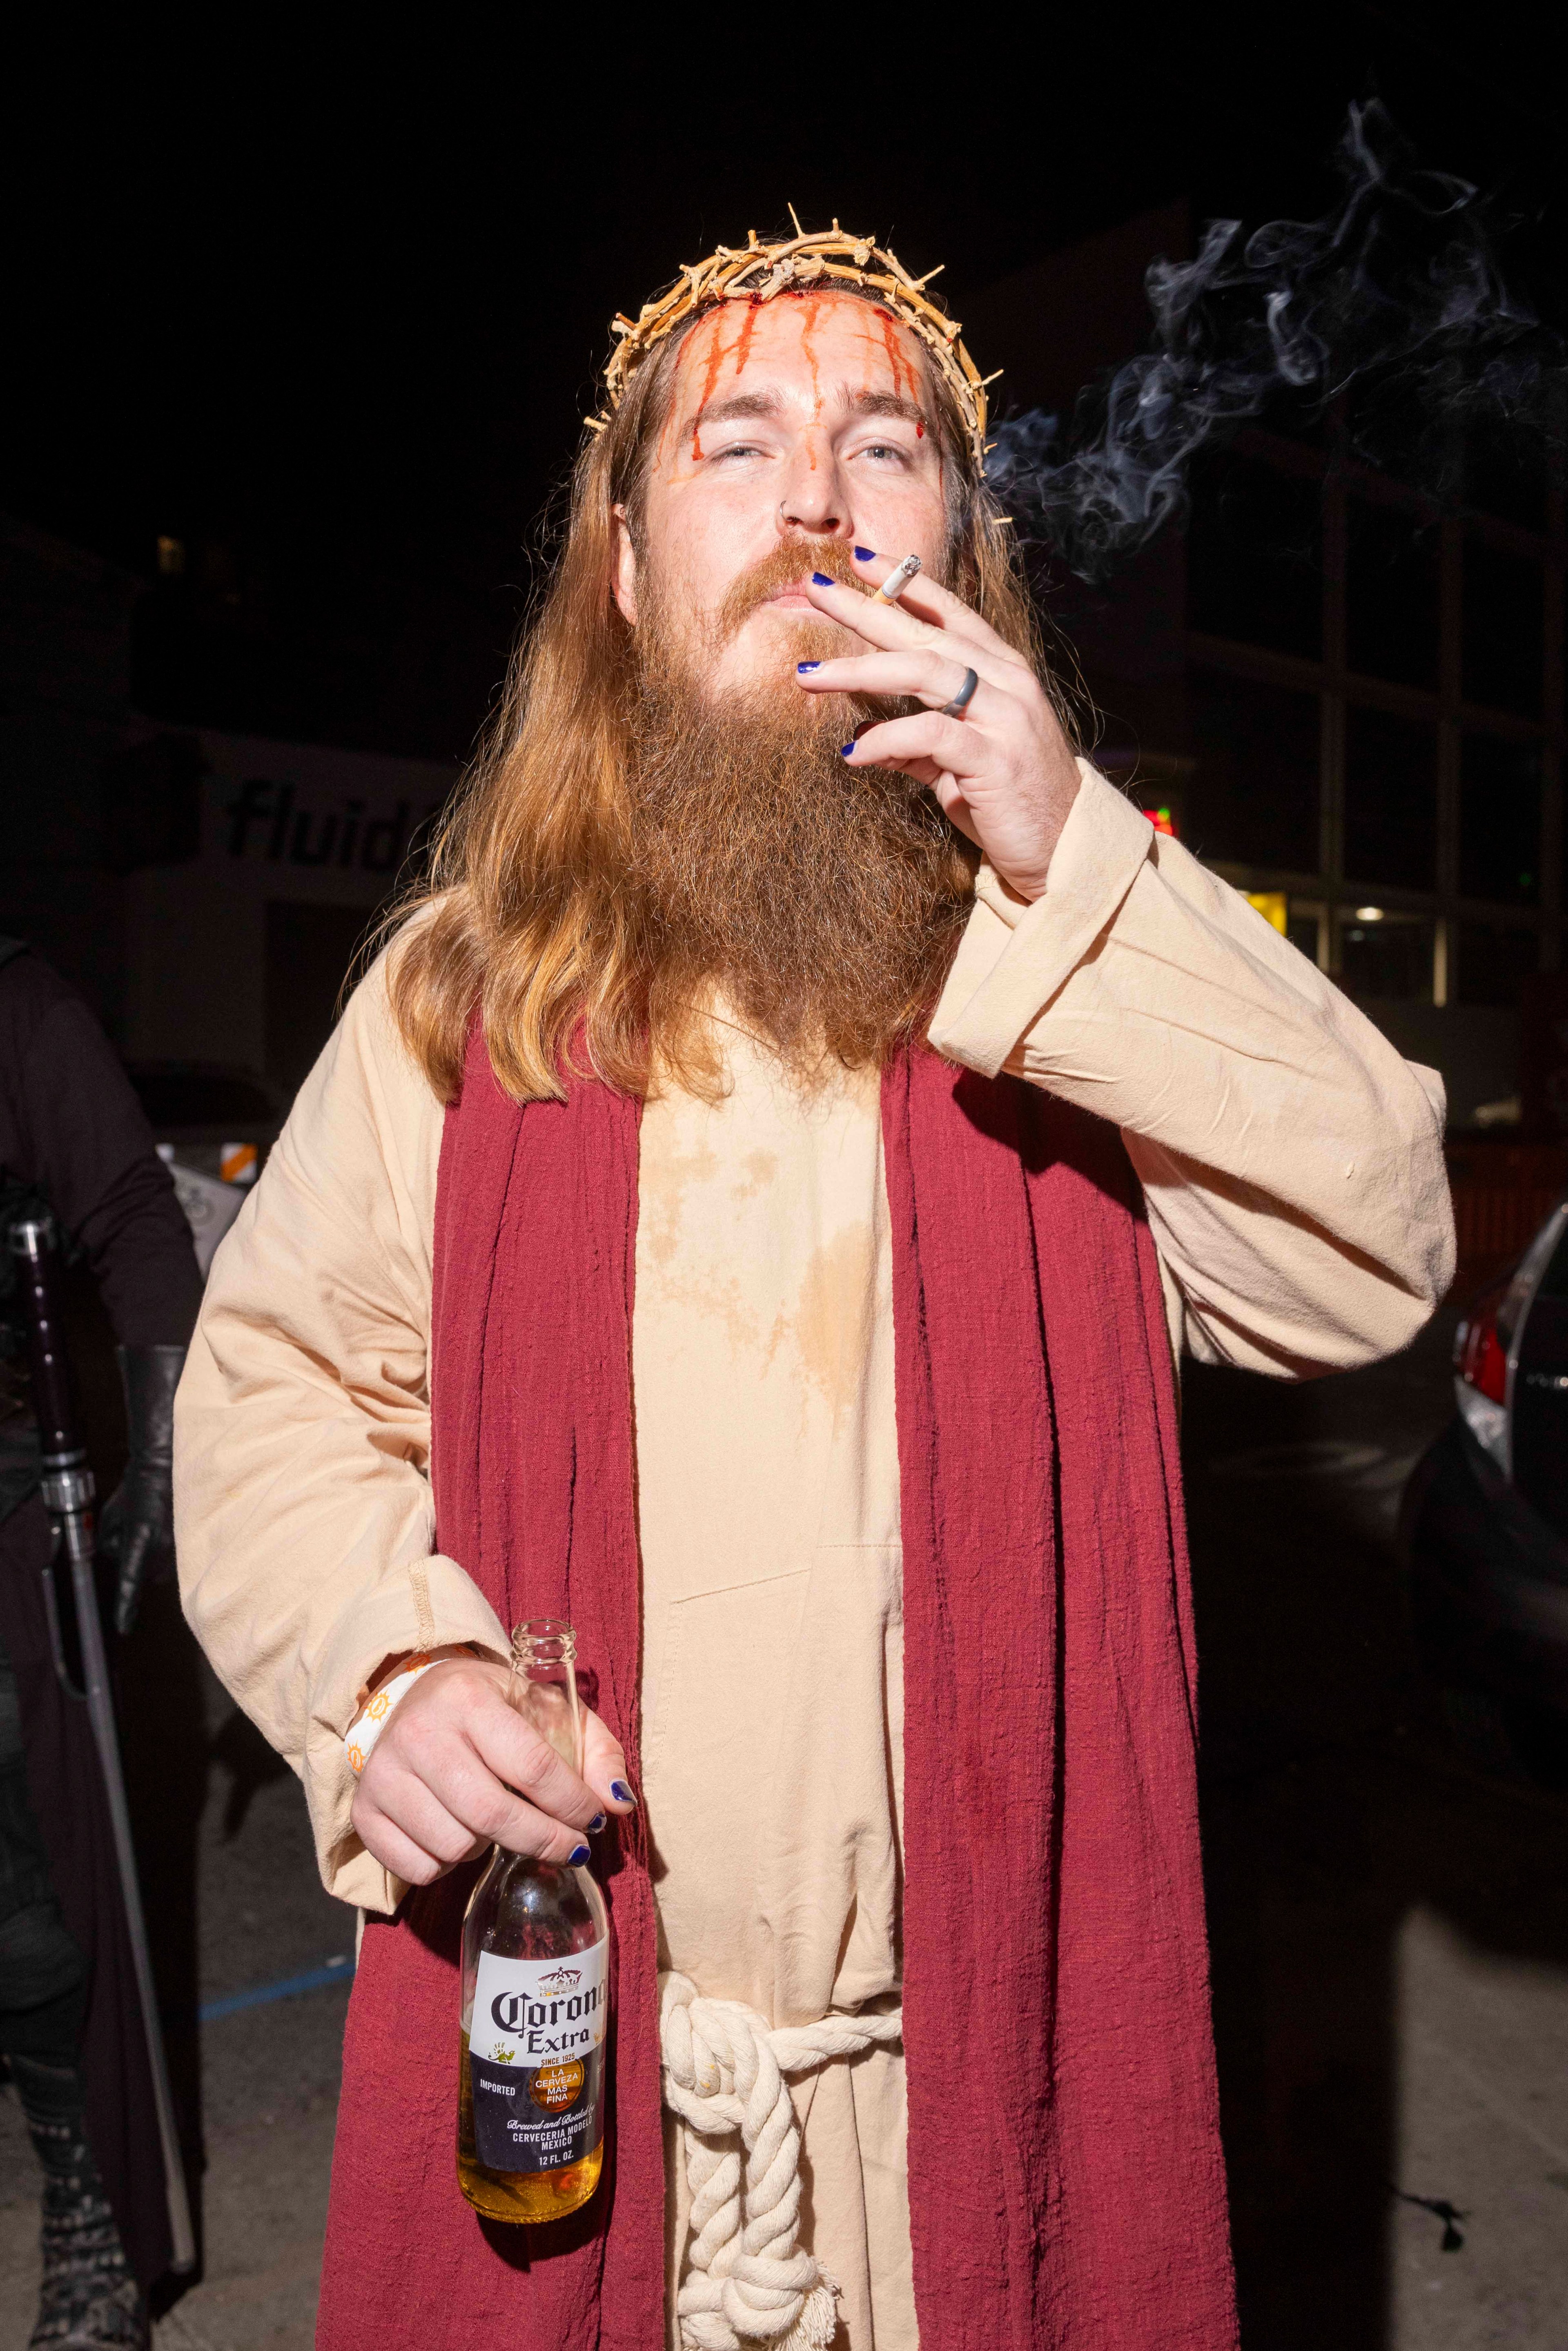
x,y
136,1530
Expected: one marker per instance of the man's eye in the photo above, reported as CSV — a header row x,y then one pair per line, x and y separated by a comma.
x,y
738,449
886,449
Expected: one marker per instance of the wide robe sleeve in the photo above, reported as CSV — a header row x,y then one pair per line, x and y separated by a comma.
x,y
305,1524
1290,1160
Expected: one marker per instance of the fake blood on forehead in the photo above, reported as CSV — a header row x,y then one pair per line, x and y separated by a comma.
x,y
718,351
810,356
714,361
747,329
899,364
898,360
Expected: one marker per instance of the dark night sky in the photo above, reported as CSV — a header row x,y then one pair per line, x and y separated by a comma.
x,y
331,297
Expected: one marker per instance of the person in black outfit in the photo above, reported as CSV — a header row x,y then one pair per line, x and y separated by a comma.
x,y
73,1139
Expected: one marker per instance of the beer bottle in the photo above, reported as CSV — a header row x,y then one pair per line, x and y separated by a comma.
x,y
536,1990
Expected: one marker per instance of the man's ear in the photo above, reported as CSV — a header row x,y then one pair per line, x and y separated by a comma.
x,y
625,569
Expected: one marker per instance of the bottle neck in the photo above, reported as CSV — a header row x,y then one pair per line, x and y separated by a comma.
x,y
543,1685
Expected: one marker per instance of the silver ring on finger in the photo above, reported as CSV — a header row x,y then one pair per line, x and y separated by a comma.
x,y
962,699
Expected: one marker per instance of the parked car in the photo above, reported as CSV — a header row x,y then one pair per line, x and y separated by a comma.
x,y
1485,1516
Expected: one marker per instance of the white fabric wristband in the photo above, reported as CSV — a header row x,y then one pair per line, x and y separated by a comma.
x,y
371,1719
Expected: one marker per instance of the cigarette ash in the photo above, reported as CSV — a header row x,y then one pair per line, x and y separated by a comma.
x,y
1396,297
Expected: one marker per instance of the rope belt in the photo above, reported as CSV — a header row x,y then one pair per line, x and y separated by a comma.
x,y
724,2067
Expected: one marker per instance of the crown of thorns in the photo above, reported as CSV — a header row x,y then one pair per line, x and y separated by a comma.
x,y
757,271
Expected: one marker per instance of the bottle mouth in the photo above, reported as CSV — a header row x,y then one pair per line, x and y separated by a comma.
x,y
544,1641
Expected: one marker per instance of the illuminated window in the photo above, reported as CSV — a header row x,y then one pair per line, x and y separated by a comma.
x,y
1376,707
1385,954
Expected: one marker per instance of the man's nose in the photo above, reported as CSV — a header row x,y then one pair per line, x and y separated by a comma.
x,y
813,499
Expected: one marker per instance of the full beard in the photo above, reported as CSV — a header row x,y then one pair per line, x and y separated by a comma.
x,y
823,903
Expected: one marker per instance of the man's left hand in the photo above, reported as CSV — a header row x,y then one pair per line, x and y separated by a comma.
x,y
1004,771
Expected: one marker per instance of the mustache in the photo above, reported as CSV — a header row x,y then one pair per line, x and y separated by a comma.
x,y
791,561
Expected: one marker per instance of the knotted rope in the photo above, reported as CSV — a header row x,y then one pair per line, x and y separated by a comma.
x,y
747,2280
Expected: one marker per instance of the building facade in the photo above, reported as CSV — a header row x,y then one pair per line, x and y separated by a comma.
x,y
1347,691
206,891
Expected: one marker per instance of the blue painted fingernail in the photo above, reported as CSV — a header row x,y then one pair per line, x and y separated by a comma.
x,y
577,1856
597,1823
621,1793
845,749
822,579
865,555
805,666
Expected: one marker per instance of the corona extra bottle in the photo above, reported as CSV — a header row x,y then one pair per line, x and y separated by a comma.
x,y
536,1991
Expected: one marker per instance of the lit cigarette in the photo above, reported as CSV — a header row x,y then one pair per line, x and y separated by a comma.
x,y
897,580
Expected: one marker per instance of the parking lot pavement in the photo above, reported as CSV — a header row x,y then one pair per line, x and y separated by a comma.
x,y
1482,2112
1389,1916
226,1847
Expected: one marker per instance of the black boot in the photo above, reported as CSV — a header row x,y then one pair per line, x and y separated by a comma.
x,y
89,2301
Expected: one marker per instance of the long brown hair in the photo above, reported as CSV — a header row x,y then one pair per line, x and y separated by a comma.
x,y
525,912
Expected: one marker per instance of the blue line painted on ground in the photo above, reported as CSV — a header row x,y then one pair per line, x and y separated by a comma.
x,y
336,1972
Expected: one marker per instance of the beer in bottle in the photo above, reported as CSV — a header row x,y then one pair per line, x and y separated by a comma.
x,y
536,1988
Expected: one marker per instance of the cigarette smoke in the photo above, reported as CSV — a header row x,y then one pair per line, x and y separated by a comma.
x,y
1396,293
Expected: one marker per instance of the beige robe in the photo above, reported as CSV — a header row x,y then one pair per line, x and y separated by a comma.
x,y
1292,1167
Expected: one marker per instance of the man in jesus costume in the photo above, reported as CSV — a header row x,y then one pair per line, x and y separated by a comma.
x,y
755,1208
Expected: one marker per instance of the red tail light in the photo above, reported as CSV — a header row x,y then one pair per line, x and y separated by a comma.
x,y
1480,1357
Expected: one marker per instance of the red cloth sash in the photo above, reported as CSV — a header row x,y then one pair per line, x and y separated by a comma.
x,y
1066,2185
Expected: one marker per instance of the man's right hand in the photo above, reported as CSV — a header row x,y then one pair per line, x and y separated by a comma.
x,y
457,1768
